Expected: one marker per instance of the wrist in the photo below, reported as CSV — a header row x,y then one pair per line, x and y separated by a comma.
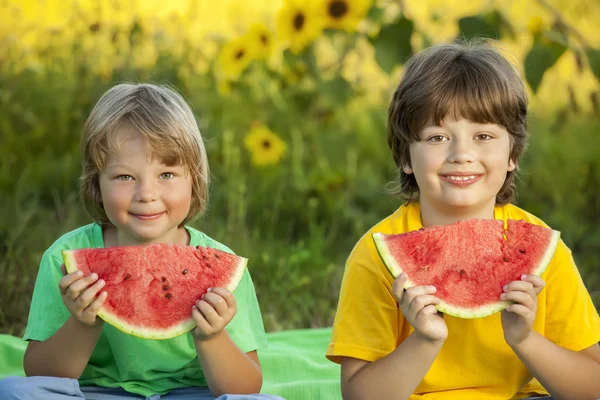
x,y
97,326
523,343
427,341
208,340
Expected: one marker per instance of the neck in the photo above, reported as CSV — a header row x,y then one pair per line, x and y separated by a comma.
x,y
432,215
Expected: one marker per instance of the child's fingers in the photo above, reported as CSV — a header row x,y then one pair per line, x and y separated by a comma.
x,y
422,301
217,302
68,280
75,289
97,304
524,298
537,282
413,292
200,320
209,313
63,269
521,310
398,287
427,311
521,286
88,296
225,294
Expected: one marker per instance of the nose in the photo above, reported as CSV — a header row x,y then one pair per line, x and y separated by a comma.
x,y
145,191
461,151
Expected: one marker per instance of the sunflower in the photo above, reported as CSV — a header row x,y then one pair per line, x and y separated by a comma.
x,y
235,57
263,40
299,23
536,25
346,14
265,147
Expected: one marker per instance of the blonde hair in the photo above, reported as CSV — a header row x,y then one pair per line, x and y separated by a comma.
x,y
472,80
165,120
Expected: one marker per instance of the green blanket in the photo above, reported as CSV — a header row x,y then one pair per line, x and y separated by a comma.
x,y
294,364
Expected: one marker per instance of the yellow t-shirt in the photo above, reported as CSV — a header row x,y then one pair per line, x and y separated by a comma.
x,y
475,361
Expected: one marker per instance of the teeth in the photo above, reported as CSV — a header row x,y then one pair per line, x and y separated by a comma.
x,y
461,178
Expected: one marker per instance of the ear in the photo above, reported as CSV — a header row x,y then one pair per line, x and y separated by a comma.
x,y
407,169
511,165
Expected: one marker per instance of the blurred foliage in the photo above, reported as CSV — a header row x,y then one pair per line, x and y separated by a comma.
x,y
293,106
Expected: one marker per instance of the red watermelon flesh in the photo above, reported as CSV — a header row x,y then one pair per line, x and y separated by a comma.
x,y
470,261
152,288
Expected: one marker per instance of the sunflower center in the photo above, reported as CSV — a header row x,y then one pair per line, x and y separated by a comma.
x,y
298,21
337,8
266,144
240,54
264,39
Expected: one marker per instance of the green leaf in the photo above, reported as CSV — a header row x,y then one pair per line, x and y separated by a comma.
x,y
337,90
543,54
392,45
376,14
593,57
477,26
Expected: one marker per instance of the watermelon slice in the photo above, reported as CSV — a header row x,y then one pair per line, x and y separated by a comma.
x,y
152,288
469,262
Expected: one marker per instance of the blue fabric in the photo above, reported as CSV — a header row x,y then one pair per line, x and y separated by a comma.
x,y
50,388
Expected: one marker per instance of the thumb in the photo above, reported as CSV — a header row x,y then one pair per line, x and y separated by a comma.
x,y
63,269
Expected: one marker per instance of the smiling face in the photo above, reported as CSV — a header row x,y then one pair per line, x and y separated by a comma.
x,y
143,198
460,167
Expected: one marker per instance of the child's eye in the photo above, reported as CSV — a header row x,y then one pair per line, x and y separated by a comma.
x,y
483,136
167,175
124,177
436,138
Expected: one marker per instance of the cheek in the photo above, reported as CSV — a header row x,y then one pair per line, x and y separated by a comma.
x,y
112,198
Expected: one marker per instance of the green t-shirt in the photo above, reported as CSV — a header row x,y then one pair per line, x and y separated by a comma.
x,y
139,366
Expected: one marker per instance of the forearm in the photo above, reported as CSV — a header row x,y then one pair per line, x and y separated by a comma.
x,y
226,368
564,373
395,376
65,354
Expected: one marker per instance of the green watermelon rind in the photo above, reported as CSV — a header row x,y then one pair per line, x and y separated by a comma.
x,y
145,333
395,270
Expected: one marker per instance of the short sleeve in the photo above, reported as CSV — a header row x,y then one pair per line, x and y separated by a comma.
x,y
246,328
368,320
571,319
47,312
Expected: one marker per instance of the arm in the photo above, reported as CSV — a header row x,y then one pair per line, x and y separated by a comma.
x,y
396,375
226,368
566,374
65,354
68,351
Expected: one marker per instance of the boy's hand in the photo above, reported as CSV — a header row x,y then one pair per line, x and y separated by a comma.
x,y
213,312
80,295
418,306
517,319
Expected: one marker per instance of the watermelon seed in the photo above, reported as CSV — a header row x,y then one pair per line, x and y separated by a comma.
x,y
462,272
127,276
168,295
185,271
522,251
165,288
506,259
164,279
216,256
208,265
